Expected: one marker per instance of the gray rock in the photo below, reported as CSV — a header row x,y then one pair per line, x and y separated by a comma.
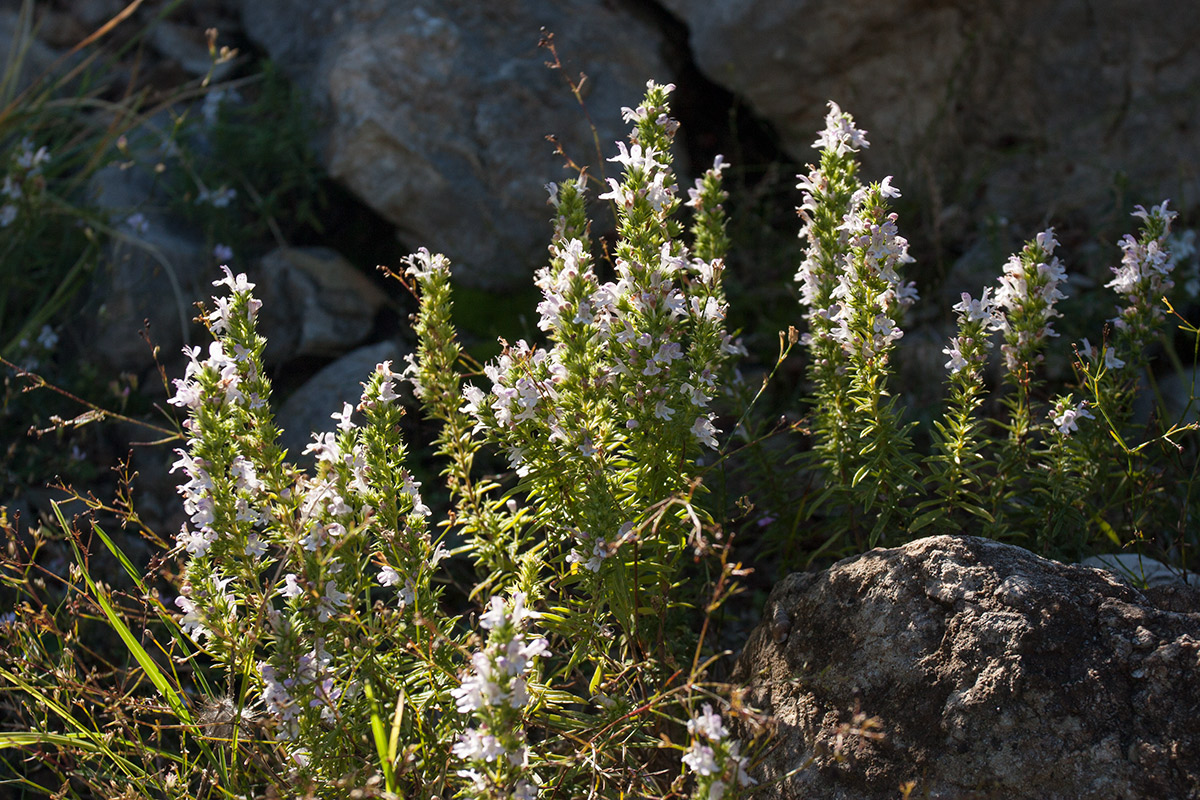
x,y
1023,109
155,269
991,672
436,112
315,303
1140,571
310,407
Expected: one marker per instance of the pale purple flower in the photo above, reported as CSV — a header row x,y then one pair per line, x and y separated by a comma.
x,y
47,338
331,602
524,790
197,542
277,698
315,538
708,724
187,394
957,361
31,160
479,688
324,447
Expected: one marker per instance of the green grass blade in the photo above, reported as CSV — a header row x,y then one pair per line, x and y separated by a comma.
x,y
149,666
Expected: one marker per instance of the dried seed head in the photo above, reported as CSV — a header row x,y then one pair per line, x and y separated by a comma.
x,y
219,716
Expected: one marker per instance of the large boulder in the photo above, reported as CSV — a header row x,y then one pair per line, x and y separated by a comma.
x,y
987,672
154,270
1020,109
315,303
436,113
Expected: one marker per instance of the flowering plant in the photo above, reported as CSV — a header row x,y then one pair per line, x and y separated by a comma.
x,y
317,594
1040,471
329,641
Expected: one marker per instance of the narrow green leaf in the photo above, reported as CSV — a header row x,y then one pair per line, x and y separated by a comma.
x,y
149,666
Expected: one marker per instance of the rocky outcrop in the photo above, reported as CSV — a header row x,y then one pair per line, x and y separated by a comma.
x,y
989,672
435,113
315,303
1017,110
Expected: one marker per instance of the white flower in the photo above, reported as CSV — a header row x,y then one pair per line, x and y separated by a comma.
x,y
704,430
635,157
255,546
236,284
388,576
1065,416
618,194
519,612
700,759
290,586
474,745
422,265
343,417
47,338
840,136
981,310
138,223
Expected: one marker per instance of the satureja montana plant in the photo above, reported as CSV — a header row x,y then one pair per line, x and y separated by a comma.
x,y
318,598
328,643
1032,474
